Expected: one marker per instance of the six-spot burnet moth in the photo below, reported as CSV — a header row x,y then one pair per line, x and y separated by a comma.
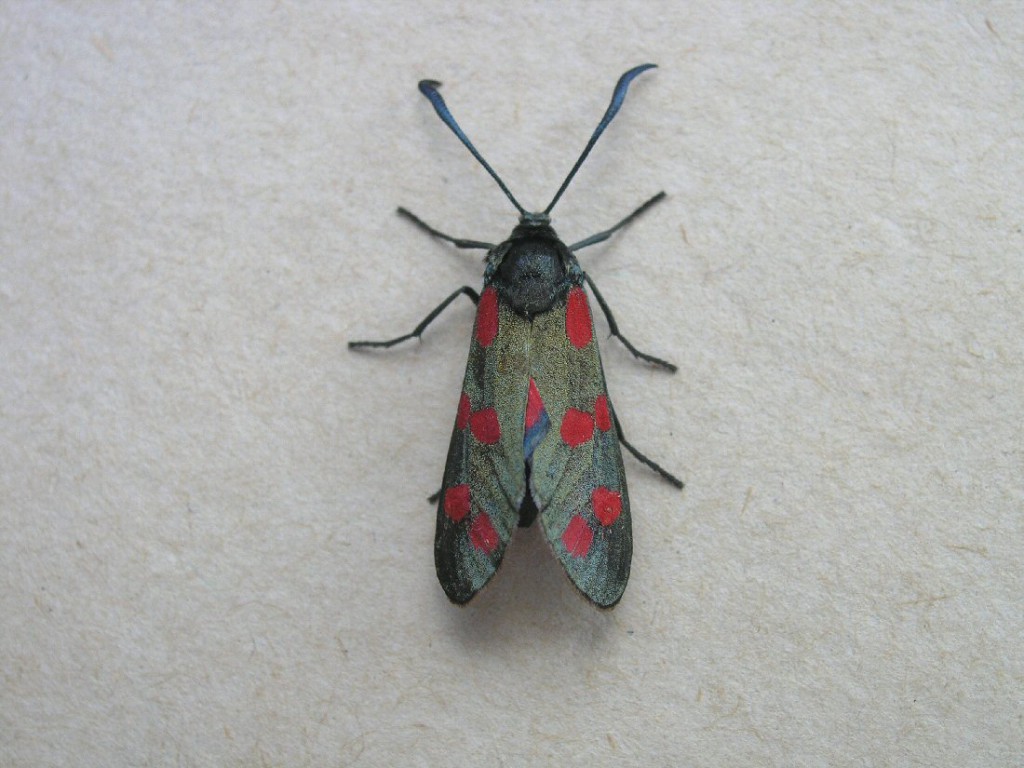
x,y
535,433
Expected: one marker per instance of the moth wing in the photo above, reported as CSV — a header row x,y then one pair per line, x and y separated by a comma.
x,y
484,477
576,478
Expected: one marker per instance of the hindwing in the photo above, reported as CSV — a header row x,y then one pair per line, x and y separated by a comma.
x,y
485,474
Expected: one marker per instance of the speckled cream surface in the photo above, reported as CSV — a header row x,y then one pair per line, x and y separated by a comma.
x,y
215,548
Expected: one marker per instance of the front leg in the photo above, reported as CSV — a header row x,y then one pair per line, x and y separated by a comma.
x,y
600,237
458,242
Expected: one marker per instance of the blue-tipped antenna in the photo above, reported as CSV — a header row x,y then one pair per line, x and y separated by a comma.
x,y
429,89
617,98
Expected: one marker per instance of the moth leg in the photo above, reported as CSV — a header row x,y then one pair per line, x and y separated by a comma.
x,y
458,242
675,481
600,237
422,326
613,327
432,498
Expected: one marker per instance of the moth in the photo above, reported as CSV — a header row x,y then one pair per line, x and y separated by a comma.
x,y
535,434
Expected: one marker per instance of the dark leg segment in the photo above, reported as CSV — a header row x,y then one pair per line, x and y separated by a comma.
x,y
456,241
602,236
675,481
613,327
422,326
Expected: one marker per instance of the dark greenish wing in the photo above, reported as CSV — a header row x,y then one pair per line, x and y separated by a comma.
x,y
577,479
485,477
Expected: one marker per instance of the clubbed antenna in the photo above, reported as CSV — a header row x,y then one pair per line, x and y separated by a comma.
x,y
429,89
617,98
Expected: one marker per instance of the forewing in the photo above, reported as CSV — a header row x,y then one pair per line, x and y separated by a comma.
x,y
484,478
577,479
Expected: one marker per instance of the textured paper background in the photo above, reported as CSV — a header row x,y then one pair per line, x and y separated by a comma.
x,y
215,545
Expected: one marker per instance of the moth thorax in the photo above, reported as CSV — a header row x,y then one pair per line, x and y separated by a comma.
x,y
532,275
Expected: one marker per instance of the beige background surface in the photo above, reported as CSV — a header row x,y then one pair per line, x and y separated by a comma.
x,y
215,546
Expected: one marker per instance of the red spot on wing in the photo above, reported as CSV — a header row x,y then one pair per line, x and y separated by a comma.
x,y
577,537
456,502
607,505
534,405
487,318
462,416
577,427
485,427
578,327
482,534
601,414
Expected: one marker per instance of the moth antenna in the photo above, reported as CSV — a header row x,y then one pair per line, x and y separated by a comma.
x,y
429,89
617,98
